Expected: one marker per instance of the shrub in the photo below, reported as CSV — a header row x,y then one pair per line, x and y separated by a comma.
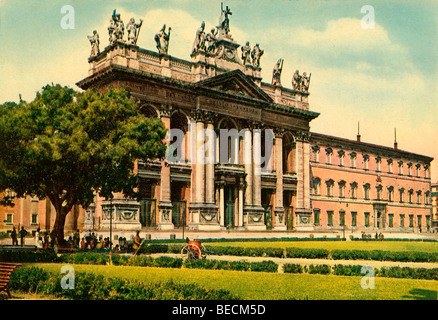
x,y
28,279
264,266
319,269
155,248
347,270
292,268
174,248
412,273
307,253
168,262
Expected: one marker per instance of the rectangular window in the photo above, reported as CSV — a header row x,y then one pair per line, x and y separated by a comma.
x,y
367,219
329,218
365,164
342,218
411,221
419,221
378,163
329,158
316,218
9,218
35,218
391,220
402,220
353,219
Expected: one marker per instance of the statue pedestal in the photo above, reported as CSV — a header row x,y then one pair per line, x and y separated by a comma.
x,y
165,216
303,218
125,215
255,218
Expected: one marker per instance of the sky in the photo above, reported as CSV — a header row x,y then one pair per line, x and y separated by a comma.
x,y
384,77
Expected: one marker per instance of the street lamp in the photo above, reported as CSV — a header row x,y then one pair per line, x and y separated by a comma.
x,y
111,229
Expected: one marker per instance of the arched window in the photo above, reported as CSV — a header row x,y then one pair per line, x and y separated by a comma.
x,y
366,191
353,187
341,189
329,184
148,111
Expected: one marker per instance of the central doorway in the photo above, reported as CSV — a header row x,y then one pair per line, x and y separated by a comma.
x,y
229,207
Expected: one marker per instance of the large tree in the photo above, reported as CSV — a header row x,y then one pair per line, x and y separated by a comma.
x,y
68,146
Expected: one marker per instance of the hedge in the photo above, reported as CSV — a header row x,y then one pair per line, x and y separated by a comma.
x,y
89,286
246,251
381,255
168,262
356,270
48,255
308,253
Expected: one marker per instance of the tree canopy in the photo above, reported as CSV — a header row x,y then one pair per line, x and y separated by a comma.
x,y
68,146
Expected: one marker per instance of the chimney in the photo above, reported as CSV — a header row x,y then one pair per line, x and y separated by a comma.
x,y
358,132
395,139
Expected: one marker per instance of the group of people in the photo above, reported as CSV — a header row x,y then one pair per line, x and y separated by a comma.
x,y
368,236
14,235
41,239
92,242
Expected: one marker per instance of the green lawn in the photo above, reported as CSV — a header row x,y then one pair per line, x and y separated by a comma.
x,y
260,286
331,245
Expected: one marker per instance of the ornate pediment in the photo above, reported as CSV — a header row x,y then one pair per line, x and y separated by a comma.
x,y
237,83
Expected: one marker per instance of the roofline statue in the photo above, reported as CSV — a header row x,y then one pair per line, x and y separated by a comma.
x,y
224,21
276,73
94,41
162,39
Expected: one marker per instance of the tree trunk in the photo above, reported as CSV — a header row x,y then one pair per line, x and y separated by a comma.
x,y
58,228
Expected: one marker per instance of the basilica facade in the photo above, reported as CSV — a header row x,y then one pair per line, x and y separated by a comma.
x,y
240,152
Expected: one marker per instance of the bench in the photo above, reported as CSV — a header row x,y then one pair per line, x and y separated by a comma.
x,y
6,269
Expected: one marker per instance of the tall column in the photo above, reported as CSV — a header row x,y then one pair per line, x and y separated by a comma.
x,y
247,160
255,211
303,210
203,209
257,174
280,223
222,202
210,159
165,204
200,161
241,200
